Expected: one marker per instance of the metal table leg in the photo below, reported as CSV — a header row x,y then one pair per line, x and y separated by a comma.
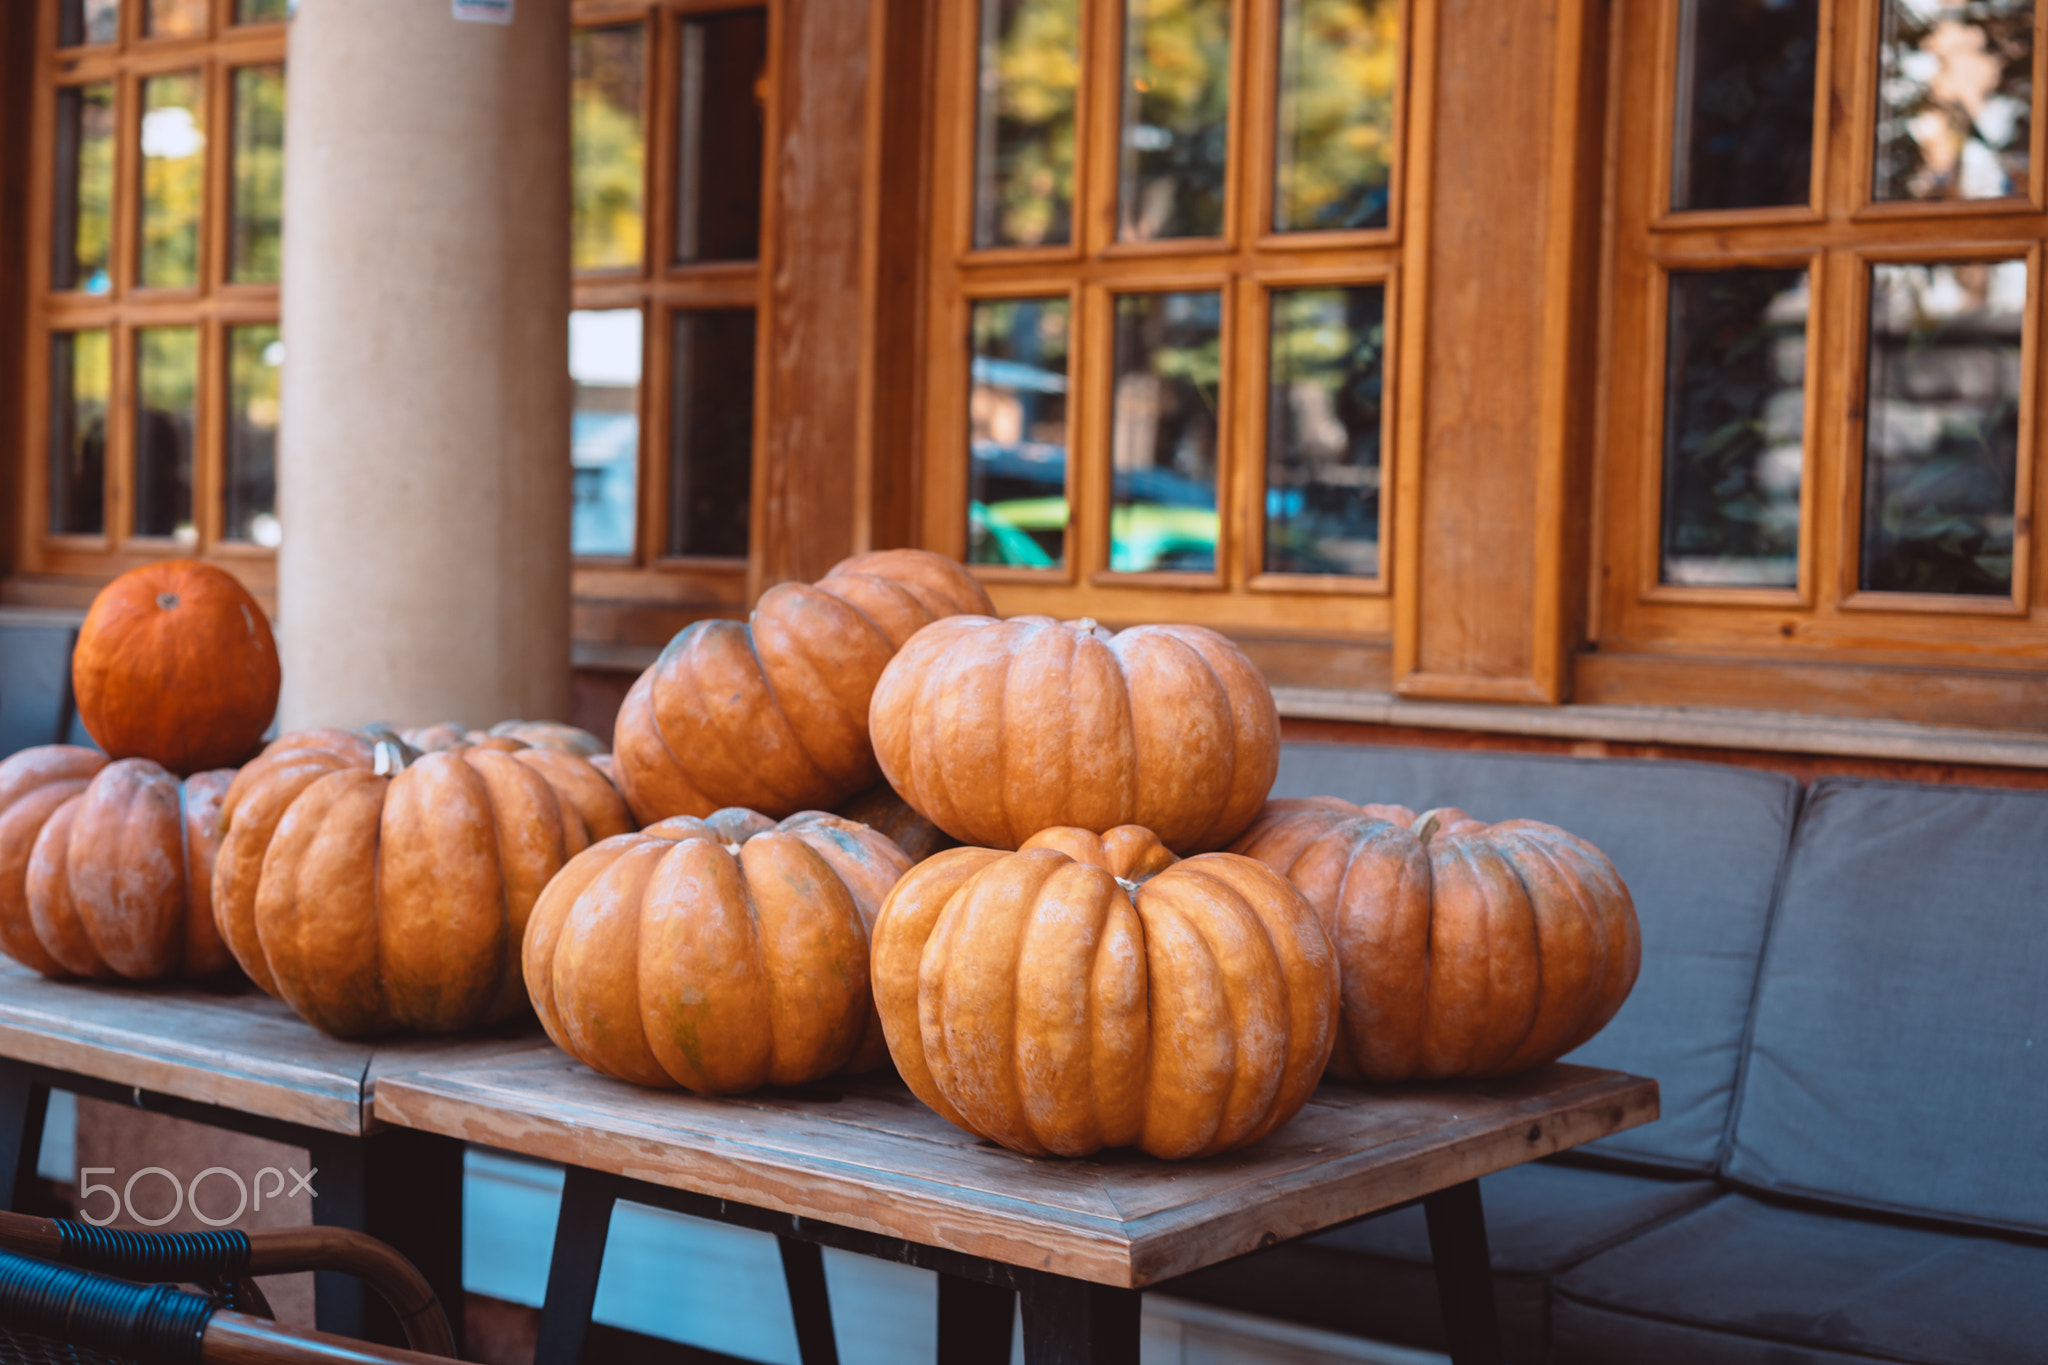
x,y
803,1269
975,1321
1464,1274
580,1232
24,1101
1073,1322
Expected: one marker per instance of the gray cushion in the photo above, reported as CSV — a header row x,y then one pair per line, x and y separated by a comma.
x,y
1700,847
35,684
1741,1282
1900,1051
1375,1278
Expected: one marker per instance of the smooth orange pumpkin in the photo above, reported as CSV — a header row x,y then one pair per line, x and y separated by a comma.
x,y
998,729
882,810
773,714
1466,949
371,888
1090,991
720,955
538,734
175,663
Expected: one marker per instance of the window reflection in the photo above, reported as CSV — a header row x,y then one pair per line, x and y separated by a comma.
x,y
1323,431
1941,433
604,429
1017,432
1176,118
83,205
1744,127
88,21
258,216
723,61
173,179
166,410
1024,125
174,18
81,380
711,460
608,146
1163,445
1333,160
1955,101
255,385
1734,428
262,11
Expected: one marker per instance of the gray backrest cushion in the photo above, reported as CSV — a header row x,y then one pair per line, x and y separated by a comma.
x,y
1899,1058
35,680
1700,847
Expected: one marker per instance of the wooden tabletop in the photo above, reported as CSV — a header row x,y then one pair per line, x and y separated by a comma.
x,y
866,1154
243,1051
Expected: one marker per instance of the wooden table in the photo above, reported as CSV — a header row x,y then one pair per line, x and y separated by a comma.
x,y
245,1062
863,1166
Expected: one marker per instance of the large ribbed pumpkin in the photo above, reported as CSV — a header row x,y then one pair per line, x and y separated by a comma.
x,y
720,955
106,868
998,729
371,888
1090,991
1466,949
175,663
773,714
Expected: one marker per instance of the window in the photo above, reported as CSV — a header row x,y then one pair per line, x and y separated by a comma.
x,y
1822,444
153,349
1165,260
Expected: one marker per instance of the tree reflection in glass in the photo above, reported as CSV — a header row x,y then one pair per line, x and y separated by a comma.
x,y
604,429
1941,430
1323,430
249,482
1734,428
81,380
258,211
166,410
1164,440
88,21
1955,99
607,146
1176,118
82,207
1017,433
1334,153
1743,131
174,18
1024,122
173,179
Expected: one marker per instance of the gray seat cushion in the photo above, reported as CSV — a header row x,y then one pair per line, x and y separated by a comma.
x,y
1899,1059
1699,845
35,684
1741,1282
1375,1278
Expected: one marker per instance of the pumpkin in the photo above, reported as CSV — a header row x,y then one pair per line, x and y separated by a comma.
x,y
371,888
773,714
721,954
538,734
998,729
1466,949
1091,991
175,663
106,868
882,810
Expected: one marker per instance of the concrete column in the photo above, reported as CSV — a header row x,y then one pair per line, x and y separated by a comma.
x,y
424,469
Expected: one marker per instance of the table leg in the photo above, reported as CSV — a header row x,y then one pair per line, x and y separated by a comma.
x,y
580,1232
803,1268
414,1202
1073,1322
974,1322
24,1102
340,1179
1464,1273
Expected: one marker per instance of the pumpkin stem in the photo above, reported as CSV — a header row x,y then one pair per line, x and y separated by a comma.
x,y
388,758
1086,625
1130,888
167,600
733,849
1428,826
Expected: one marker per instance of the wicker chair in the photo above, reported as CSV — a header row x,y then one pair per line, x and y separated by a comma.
x,y
72,1292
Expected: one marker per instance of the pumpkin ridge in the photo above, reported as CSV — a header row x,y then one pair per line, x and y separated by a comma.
x,y
1586,1001
1224,813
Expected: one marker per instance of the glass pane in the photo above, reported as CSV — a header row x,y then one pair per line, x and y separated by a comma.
x,y
1734,428
1163,446
1744,118
258,219
174,18
1024,122
1329,351
1941,438
604,429
1017,433
608,146
88,21
173,179
718,170
1175,119
262,11
81,378
711,457
166,410
1334,156
82,214
249,482
1955,106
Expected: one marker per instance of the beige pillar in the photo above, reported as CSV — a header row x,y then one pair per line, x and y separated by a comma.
x,y
424,469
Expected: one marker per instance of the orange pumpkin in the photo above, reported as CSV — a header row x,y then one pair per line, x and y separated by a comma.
x,y
175,663
720,955
538,734
998,729
371,888
1089,992
1466,949
106,868
882,810
773,714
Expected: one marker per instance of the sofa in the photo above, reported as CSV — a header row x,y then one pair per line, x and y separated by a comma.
x,y
1844,997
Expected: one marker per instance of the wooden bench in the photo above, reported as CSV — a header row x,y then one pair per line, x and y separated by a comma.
x,y
864,1167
